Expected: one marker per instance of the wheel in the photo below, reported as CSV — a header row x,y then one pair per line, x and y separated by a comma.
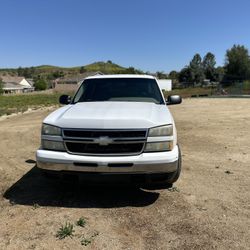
x,y
167,179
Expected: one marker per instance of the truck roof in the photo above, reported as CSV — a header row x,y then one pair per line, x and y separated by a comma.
x,y
120,76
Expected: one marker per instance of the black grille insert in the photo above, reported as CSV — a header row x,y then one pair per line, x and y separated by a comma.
x,y
93,148
99,133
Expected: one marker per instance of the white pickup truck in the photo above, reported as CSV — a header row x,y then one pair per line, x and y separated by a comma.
x,y
115,125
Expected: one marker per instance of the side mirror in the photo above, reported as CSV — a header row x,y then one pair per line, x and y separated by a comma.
x,y
173,99
65,99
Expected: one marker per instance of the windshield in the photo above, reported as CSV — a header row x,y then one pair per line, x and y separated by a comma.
x,y
119,89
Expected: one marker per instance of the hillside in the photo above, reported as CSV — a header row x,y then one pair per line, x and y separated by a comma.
x,y
51,72
105,67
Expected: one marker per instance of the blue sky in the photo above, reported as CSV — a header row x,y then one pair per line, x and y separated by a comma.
x,y
152,35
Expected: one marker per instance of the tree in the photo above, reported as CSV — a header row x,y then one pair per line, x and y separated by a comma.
x,y
173,75
185,76
20,71
161,75
208,64
40,84
57,74
26,73
1,86
82,70
219,74
196,69
130,70
237,63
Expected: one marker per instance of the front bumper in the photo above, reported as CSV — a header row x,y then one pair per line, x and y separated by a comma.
x,y
159,162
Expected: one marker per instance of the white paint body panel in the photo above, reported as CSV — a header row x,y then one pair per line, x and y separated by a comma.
x,y
110,115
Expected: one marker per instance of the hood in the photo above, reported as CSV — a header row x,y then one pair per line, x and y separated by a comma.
x,y
110,115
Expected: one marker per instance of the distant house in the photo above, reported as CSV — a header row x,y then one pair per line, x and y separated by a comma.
x,y
16,84
77,78
165,84
72,83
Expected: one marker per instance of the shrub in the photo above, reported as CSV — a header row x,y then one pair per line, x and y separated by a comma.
x,y
1,86
40,84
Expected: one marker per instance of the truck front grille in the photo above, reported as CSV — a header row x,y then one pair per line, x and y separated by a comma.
x,y
104,142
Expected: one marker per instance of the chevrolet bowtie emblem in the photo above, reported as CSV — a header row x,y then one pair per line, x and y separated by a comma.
x,y
103,140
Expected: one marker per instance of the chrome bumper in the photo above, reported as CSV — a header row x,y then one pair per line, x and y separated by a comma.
x,y
164,162
153,168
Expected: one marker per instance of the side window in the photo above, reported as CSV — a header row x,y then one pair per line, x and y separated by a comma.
x,y
79,94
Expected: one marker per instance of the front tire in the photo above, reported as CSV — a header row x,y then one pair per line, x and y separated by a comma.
x,y
170,178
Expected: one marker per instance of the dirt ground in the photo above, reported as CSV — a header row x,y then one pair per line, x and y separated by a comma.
x,y
208,209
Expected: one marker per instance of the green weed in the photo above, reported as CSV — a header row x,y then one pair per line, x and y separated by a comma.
x,y
85,241
65,231
81,222
174,189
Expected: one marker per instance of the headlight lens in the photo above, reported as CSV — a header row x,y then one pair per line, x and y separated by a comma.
x,y
50,130
161,131
53,145
159,146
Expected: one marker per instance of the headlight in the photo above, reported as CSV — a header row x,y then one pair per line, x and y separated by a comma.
x,y
159,146
166,130
53,145
50,130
